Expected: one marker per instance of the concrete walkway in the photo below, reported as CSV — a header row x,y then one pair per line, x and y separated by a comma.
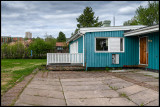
x,y
84,89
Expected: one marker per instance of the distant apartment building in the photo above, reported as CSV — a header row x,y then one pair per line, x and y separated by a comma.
x,y
7,39
28,35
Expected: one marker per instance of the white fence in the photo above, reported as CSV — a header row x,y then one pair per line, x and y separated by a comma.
x,y
64,58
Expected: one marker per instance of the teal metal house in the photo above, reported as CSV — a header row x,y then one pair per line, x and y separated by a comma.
x,y
117,46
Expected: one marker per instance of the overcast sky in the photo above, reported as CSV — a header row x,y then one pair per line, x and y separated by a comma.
x,y
39,17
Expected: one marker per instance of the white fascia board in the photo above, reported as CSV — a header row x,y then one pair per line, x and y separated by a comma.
x,y
100,29
142,32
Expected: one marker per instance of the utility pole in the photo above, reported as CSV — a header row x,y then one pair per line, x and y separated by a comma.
x,y
113,20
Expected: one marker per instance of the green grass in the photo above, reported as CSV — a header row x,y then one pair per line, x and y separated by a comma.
x,y
14,71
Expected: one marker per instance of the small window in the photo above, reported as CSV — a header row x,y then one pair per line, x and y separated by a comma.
x,y
101,44
121,44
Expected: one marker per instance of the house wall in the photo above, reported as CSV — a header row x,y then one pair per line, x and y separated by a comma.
x,y
130,56
153,50
80,44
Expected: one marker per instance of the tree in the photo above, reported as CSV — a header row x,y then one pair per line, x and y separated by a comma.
x,y
87,19
146,16
61,37
133,21
51,42
39,48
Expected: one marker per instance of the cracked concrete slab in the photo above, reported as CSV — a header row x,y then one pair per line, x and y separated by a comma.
x,y
100,102
75,83
86,87
60,89
131,89
37,101
90,94
153,103
144,97
45,87
44,93
120,85
114,80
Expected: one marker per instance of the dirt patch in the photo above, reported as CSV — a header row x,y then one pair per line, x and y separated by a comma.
x,y
3,82
15,63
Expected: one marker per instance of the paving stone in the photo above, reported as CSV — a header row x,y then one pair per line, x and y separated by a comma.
x,y
100,102
46,82
144,97
42,101
121,102
45,87
119,85
114,80
86,88
153,103
143,78
88,79
131,89
153,83
69,83
22,104
43,93
154,74
45,79
90,94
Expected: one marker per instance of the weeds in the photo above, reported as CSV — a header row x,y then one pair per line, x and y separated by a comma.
x,y
124,95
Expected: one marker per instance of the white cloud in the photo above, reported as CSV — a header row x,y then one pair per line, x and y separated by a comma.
x,y
40,17
126,10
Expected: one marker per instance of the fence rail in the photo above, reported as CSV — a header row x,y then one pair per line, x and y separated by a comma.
x,y
64,58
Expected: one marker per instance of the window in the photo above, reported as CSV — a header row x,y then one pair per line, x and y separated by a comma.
x,y
101,44
59,48
110,44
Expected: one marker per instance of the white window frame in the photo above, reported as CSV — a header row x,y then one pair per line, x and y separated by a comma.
x,y
108,45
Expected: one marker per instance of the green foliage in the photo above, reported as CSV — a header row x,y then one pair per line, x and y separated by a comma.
x,y
145,15
107,68
87,19
13,51
39,48
61,37
51,42
133,21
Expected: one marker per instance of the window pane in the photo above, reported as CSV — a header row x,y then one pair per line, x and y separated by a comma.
x,y
121,44
101,44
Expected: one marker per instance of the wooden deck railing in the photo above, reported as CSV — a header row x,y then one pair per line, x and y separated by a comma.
x,y
64,58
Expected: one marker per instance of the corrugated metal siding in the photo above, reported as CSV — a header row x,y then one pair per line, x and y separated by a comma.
x,y
153,48
129,57
80,44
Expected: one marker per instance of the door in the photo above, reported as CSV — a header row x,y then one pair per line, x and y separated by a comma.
x,y
143,51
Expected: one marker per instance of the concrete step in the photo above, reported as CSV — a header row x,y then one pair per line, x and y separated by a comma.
x,y
65,68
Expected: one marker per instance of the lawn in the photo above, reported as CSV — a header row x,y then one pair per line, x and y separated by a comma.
x,y
14,70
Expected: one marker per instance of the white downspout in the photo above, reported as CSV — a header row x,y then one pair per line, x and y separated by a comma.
x,y
83,50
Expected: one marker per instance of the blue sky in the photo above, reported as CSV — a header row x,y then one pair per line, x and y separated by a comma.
x,y
41,17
